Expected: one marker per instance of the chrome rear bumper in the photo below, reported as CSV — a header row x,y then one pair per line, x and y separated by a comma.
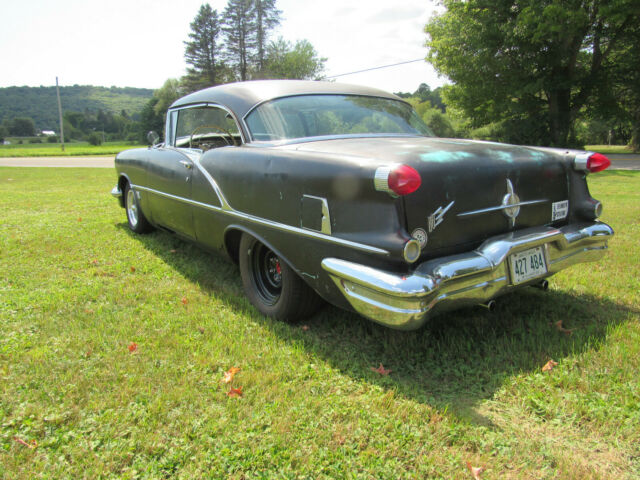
x,y
406,301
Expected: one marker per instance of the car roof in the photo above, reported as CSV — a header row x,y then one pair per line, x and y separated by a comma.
x,y
241,97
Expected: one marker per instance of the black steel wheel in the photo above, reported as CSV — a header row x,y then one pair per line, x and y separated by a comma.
x,y
138,223
271,285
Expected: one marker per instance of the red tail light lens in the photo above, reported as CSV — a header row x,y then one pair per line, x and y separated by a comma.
x,y
404,180
597,162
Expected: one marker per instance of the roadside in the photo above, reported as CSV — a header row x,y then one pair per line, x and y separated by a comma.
x,y
619,161
92,161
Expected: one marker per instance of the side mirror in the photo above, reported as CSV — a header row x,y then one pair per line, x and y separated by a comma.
x,y
152,137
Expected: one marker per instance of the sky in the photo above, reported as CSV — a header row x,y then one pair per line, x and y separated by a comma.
x,y
139,43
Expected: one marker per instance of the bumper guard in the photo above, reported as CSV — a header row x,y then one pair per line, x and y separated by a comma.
x,y
405,301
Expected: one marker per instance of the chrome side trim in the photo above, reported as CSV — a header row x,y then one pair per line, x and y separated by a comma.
x,y
405,301
267,223
500,207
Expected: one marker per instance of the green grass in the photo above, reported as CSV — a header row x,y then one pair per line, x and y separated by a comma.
x,y
70,149
468,387
609,149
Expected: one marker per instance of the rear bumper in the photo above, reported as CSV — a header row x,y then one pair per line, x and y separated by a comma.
x,y
406,301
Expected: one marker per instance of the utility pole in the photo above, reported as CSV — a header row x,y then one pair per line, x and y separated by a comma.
x,y
60,116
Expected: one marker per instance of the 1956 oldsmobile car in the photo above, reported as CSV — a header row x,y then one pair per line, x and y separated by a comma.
x,y
325,190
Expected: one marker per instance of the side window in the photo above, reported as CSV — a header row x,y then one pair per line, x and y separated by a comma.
x,y
205,128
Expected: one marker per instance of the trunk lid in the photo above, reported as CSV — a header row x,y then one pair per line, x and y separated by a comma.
x,y
470,189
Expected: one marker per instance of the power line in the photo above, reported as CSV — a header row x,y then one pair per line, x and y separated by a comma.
x,y
377,68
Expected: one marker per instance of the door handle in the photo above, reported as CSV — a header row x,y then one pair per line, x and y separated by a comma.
x,y
186,164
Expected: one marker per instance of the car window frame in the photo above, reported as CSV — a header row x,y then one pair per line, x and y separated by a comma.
x,y
172,122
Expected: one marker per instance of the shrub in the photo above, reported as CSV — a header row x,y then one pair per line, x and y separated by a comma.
x,y
35,140
52,139
95,139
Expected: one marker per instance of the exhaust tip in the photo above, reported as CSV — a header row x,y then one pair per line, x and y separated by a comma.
x,y
490,305
542,285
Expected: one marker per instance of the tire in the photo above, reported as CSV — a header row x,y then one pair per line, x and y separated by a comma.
x,y
138,223
272,286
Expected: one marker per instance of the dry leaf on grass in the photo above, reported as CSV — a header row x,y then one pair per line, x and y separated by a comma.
x,y
381,370
475,471
561,329
184,300
133,347
32,444
235,392
549,366
229,374
133,269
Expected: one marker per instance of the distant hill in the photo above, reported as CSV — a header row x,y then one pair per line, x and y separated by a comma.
x,y
40,103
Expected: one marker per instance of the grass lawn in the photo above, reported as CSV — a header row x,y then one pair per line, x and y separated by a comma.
x,y
70,149
605,149
77,289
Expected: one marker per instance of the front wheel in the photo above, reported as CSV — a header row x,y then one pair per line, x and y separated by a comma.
x,y
271,285
138,223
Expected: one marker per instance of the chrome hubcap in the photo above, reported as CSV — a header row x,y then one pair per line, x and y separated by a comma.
x,y
132,209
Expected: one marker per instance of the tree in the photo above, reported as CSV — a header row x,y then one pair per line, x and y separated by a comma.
x,y
529,65
4,133
22,127
150,120
240,36
166,95
267,18
299,61
202,51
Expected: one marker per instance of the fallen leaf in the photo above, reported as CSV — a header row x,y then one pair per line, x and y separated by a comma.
x,y
94,261
305,328
201,330
79,219
133,347
549,366
475,471
88,353
133,269
32,444
229,374
184,300
560,328
381,370
235,392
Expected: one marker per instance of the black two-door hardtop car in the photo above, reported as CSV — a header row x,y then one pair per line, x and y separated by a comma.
x,y
340,192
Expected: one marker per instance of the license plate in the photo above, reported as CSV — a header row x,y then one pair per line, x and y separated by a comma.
x,y
527,265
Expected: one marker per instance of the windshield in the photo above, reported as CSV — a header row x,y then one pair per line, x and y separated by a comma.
x,y
318,115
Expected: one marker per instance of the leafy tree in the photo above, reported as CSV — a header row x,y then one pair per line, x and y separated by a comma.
x,y
203,51
240,35
4,133
22,127
150,120
167,94
529,65
299,61
267,18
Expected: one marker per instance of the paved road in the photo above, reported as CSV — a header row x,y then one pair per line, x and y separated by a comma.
x,y
619,161
95,162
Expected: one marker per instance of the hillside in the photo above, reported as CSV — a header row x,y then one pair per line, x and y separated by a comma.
x,y
40,103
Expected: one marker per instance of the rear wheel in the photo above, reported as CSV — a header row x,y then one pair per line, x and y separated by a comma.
x,y
271,285
138,223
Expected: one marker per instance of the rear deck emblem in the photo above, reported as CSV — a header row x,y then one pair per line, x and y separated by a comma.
x,y
511,204
436,217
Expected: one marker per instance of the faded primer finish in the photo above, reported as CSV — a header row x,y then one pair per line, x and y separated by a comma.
x,y
312,202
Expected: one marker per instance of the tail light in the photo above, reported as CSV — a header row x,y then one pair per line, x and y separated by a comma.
x,y
397,180
591,162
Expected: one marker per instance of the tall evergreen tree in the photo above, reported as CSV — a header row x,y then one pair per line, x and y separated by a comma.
x,y
202,51
239,28
267,18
